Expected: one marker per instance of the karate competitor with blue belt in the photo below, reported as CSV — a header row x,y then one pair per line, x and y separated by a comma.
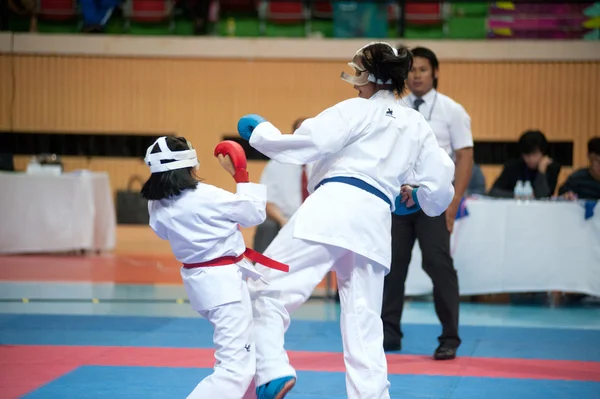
x,y
364,151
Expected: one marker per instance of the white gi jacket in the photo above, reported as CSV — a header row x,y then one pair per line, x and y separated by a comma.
x,y
379,141
202,225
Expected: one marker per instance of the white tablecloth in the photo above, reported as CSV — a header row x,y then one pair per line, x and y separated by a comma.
x,y
506,246
43,213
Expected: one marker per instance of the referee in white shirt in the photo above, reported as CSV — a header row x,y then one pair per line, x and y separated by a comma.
x,y
286,190
452,126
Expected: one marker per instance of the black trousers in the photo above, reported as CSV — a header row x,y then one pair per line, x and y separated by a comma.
x,y
434,240
265,233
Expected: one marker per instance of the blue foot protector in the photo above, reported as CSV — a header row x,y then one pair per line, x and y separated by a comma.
x,y
276,389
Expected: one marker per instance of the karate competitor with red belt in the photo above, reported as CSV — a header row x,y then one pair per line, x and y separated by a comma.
x,y
364,150
200,222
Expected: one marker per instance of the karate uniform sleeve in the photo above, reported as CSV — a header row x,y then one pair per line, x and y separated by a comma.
x,y
434,171
316,138
154,223
247,208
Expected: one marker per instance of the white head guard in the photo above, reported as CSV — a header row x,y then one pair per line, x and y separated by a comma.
x,y
362,76
182,159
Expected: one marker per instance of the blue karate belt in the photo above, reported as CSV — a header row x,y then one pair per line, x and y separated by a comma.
x,y
352,181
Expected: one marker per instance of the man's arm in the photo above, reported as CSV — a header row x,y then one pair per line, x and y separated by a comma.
x,y
461,139
462,177
544,184
433,172
504,186
273,212
567,186
463,171
552,173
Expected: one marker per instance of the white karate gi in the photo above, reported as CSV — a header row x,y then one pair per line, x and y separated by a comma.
x,y
202,225
344,228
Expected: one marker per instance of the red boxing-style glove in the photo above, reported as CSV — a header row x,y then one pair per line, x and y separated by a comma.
x,y
238,158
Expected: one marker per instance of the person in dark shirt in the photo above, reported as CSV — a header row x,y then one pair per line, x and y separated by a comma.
x,y
533,165
477,182
7,163
585,183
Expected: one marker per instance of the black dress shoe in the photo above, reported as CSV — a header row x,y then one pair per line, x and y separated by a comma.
x,y
392,346
444,352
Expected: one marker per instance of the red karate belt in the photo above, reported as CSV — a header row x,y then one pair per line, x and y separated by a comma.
x,y
249,253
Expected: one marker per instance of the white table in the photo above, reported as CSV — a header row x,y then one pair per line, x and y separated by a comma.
x,y
505,246
43,213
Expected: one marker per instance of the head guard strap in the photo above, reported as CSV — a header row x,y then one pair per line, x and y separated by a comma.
x,y
362,76
179,159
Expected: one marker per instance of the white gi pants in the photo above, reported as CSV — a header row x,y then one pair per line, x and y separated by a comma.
x,y
360,284
233,329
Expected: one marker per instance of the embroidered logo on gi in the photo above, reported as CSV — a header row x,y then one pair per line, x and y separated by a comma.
x,y
390,113
247,348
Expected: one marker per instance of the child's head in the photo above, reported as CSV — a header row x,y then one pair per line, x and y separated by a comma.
x,y
172,162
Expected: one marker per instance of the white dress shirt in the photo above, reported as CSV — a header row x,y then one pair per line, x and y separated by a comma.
x,y
378,141
448,119
284,186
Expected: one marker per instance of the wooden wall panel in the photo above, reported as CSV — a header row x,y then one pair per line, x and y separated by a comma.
x,y
505,99
202,99
6,91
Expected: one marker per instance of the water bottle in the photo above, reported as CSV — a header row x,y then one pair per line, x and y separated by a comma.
x,y
528,190
34,165
519,190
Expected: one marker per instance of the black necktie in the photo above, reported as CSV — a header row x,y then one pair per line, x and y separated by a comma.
x,y
418,102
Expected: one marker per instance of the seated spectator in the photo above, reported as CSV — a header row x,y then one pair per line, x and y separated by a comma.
x,y
533,165
286,190
96,13
585,183
22,8
7,163
477,182
199,12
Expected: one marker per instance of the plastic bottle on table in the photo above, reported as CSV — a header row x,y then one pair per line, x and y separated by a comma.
x,y
528,190
519,190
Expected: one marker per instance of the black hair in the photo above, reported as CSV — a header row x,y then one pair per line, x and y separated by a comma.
x,y
170,183
594,146
532,141
379,60
431,57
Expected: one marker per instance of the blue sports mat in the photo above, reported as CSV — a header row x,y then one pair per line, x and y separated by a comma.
x,y
167,383
316,336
